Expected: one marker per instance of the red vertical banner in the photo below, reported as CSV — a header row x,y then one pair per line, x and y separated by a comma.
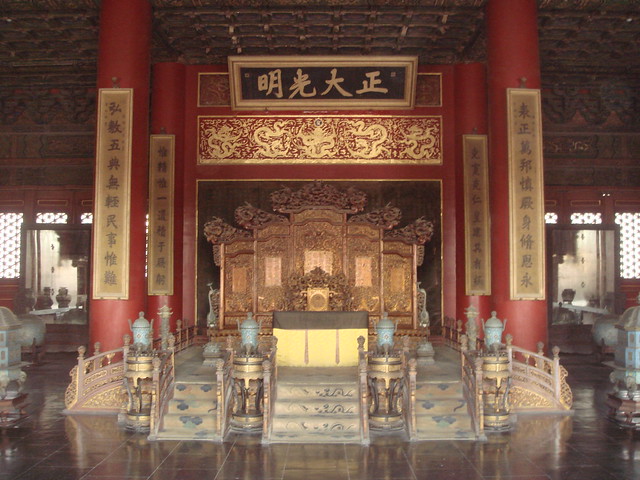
x,y
112,194
161,213
526,194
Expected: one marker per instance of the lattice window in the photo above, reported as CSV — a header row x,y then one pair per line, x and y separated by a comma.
x,y
550,217
629,244
10,224
51,217
586,218
86,218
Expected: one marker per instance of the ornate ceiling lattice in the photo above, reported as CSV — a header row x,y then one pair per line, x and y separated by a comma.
x,y
56,41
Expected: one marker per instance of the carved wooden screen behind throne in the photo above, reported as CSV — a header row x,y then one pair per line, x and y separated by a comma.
x,y
322,255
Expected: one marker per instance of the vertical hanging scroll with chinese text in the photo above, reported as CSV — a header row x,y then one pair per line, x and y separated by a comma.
x,y
477,232
526,194
111,236
161,193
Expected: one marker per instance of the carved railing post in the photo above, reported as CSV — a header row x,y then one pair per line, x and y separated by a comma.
x,y
266,399
413,371
463,351
364,402
155,396
82,371
557,377
179,332
478,397
405,350
221,396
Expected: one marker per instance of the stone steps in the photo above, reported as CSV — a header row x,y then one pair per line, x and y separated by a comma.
x,y
191,413
441,411
316,406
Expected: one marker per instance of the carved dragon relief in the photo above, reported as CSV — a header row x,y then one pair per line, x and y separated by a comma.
x,y
216,230
386,217
318,194
320,139
250,217
418,232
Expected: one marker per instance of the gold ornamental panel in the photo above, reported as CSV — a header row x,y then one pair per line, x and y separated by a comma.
x,y
318,244
398,248
363,230
363,267
330,215
273,268
397,284
320,139
270,230
522,398
232,249
238,284
114,398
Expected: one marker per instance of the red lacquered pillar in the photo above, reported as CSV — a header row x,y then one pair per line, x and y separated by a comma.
x,y
167,116
512,48
124,53
471,117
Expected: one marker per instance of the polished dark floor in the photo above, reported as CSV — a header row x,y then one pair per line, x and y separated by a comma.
x,y
585,446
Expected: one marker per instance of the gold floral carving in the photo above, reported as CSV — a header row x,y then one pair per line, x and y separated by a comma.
x,y
305,215
217,230
397,284
250,217
386,217
236,300
233,249
318,236
418,232
320,139
317,195
114,398
269,230
363,230
71,394
522,398
340,297
566,395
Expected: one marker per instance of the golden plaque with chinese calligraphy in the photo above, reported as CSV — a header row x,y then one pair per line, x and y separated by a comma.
x,y
477,222
321,82
161,193
526,194
112,194
320,139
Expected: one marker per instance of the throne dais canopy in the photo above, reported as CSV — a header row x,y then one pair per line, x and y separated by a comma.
x,y
318,250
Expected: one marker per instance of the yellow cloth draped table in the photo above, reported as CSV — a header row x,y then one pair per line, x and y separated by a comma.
x,y
319,339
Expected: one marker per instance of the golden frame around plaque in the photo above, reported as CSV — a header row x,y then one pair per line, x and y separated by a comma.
x,y
274,62
526,195
112,198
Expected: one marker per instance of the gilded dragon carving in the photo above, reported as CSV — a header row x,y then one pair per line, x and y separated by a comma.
x,y
320,139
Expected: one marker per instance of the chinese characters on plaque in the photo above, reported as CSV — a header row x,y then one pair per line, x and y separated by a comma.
x,y
161,195
112,194
526,194
477,230
286,82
